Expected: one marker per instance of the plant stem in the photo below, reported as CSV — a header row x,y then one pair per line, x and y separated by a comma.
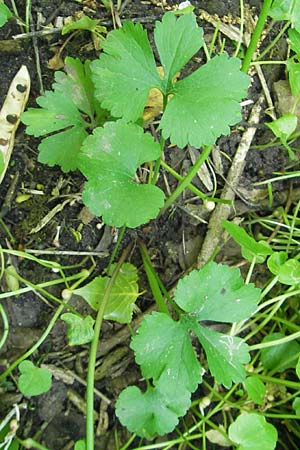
x,y
256,35
158,161
188,178
280,341
93,354
152,278
5,326
116,248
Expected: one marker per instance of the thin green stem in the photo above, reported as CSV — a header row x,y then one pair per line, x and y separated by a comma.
x,y
191,187
27,15
241,33
7,231
276,380
116,247
158,161
5,326
256,35
273,42
188,178
93,354
41,285
283,340
162,146
151,275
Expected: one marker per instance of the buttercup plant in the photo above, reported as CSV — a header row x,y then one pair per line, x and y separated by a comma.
x,y
92,96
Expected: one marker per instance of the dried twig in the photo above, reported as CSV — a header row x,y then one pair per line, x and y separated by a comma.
x,y
222,211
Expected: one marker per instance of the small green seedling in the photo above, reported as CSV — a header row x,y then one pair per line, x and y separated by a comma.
x,y
196,110
85,23
164,351
244,432
250,248
283,128
33,380
119,307
287,270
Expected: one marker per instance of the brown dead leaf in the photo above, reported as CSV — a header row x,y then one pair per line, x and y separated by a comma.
x,y
56,62
154,105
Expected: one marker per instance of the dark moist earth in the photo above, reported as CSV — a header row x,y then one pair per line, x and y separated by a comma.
x,y
57,418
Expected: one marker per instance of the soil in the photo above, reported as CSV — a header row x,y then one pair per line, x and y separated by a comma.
x,y
57,418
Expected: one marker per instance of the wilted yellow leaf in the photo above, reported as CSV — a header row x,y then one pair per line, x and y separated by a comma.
x,y
154,105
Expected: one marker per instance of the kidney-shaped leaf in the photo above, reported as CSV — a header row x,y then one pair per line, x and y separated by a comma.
x,y
216,292
150,413
33,380
253,432
205,103
109,159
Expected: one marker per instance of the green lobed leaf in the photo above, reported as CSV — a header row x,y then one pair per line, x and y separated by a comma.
x,y
256,389
80,329
60,113
33,380
150,413
286,10
109,159
205,103
216,292
163,350
226,355
123,295
76,83
125,72
177,41
5,14
62,148
279,357
253,432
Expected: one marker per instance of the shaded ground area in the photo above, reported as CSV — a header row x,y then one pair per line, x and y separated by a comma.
x,y
73,237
